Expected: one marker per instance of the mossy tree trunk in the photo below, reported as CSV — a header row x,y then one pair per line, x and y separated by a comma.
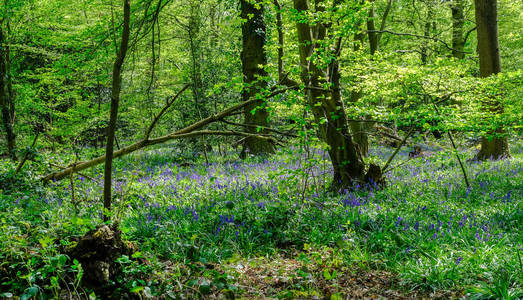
x,y
254,59
496,144
458,21
6,95
326,104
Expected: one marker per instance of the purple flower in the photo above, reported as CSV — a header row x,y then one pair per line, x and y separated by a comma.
x,y
458,261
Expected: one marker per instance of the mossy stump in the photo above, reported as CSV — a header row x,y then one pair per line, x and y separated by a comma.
x,y
98,251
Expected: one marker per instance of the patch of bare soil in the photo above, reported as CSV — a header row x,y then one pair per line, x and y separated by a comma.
x,y
280,277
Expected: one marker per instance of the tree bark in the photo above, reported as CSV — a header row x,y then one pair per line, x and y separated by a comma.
x,y
6,101
428,26
458,21
115,100
371,29
496,145
327,107
254,59
196,69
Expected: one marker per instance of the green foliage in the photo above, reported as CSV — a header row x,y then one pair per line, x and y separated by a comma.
x,y
192,209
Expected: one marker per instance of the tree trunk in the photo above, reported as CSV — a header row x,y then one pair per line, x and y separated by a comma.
x,y
358,129
495,146
254,59
6,101
372,34
428,26
115,99
458,21
283,78
196,73
327,106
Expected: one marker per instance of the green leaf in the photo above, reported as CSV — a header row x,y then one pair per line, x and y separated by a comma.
x,y
137,289
326,274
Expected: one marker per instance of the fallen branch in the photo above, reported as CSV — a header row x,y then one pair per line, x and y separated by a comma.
x,y
258,126
81,174
189,131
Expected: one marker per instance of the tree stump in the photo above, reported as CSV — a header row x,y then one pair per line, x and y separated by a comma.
x,y
98,251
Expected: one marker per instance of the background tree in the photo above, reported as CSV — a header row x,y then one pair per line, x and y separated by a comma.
x,y
458,21
495,145
254,61
7,103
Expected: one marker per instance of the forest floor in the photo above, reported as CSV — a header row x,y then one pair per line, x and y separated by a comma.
x,y
266,229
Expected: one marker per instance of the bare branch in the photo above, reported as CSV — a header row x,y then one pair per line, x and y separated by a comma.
x,y
421,37
168,104
257,126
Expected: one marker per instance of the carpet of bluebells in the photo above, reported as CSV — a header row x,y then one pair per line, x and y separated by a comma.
x,y
425,226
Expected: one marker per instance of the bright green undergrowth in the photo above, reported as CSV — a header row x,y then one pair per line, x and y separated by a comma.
x,y
426,226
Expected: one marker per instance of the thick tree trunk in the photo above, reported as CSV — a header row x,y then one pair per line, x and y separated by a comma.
x,y
327,107
115,100
458,21
495,146
254,59
6,101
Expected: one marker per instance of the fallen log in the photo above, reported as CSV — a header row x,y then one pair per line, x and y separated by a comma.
x,y
189,131
142,144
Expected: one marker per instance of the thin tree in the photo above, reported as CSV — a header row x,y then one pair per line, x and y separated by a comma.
x,y
115,100
495,145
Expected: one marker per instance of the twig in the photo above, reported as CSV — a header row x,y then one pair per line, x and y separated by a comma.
x,y
168,104
26,155
398,149
456,151
257,126
420,36
64,168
